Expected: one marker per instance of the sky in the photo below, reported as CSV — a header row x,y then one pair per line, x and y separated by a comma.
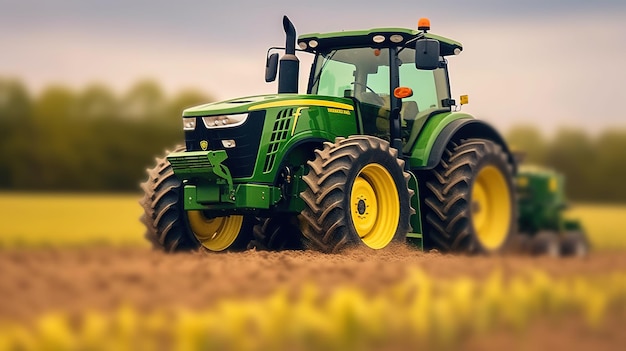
x,y
548,63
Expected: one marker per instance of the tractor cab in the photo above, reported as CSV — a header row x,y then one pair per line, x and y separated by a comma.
x,y
394,89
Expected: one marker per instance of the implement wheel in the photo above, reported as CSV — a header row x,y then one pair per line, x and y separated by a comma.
x,y
545,242
170,228
574,243
470,199
357,194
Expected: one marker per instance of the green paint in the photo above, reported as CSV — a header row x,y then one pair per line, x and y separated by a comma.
x,y
541,201
245,104
256,196
364,38
210,196
428,135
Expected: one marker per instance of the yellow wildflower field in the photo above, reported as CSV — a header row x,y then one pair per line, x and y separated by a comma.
x,y
32,219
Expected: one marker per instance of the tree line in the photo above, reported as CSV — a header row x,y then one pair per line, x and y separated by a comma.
x,y
594,166
91,140
96,140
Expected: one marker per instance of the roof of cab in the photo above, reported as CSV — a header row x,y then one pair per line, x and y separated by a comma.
x,y
365,38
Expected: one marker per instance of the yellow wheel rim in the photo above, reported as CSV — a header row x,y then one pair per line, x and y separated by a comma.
x,y
375,206
491,208
216,234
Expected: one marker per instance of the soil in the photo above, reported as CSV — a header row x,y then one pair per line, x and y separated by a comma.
x,y
34,282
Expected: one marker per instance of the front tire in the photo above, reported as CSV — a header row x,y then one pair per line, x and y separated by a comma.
x,y
469,201
163,211
170,228
232,233
357,194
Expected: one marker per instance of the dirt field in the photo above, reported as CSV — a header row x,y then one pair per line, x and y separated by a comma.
x,y
77,280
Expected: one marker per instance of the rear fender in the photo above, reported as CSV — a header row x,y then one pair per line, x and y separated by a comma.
x,y
462,127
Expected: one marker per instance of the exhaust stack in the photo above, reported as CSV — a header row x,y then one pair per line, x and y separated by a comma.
x,y
289,65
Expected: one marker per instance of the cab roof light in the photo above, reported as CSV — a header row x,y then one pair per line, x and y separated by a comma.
x,y
396,38
423,24
378,38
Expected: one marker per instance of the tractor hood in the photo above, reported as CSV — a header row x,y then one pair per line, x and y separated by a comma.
x,y
261,102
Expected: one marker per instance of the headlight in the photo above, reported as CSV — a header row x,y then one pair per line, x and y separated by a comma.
x,y
189,123
224,121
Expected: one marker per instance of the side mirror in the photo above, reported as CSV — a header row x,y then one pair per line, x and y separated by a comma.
x,y
427,54
271,67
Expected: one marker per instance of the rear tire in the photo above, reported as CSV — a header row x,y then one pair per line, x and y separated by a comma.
x,y
170,228
357,194
469,203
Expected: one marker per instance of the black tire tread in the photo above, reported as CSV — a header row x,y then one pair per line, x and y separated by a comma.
x,y
545,242
163,215
325,227
276,233
446,193
575,243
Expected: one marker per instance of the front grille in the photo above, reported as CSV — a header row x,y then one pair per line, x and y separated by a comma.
x,y
190,162
280,132
242,158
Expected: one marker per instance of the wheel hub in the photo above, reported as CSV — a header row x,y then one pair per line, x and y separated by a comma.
x,y
491,207
375,206
364,206
215,234
361,206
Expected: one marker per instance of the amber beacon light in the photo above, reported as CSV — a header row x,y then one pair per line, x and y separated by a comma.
x,y
423,24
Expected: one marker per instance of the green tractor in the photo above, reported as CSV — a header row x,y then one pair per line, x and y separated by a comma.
x,y
543,227
376,152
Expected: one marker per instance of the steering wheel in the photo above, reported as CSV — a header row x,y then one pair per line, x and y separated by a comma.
x,y
366,87
371,98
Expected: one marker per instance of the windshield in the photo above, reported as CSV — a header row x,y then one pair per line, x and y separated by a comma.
x,y
355,72
363,73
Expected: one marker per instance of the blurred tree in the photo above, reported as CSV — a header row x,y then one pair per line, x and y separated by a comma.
x,y
57,127
530,142
186,98
572,153
97,101
86,141
96,106
172,119
15,102
56,103
145,100
15,124
610,172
